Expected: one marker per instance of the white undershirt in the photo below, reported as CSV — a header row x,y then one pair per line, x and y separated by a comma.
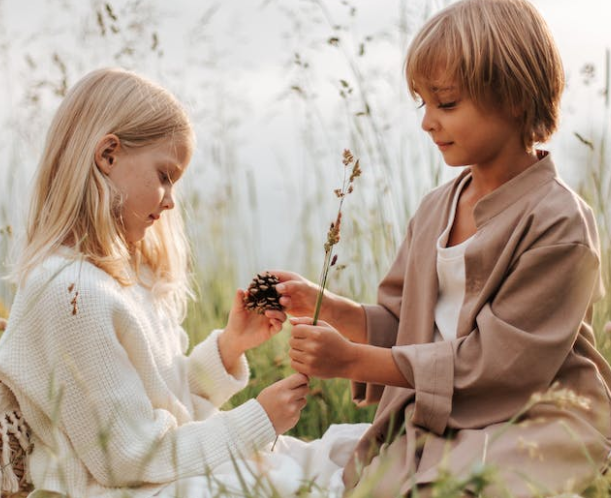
x,y
451,277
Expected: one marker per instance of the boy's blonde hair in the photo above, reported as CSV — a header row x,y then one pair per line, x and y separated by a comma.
x,y
500,53
74,203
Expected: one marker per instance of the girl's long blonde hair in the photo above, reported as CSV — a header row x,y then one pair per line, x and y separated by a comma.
x,y
75,204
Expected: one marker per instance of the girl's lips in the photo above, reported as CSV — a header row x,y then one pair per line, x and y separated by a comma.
x,y
443,145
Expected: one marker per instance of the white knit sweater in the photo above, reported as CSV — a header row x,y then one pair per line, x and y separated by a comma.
x,y
110,396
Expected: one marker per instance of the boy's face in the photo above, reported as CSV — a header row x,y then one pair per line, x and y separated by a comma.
x,y
465,133
145,177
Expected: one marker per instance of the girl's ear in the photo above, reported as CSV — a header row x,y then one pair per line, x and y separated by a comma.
x,y
106,153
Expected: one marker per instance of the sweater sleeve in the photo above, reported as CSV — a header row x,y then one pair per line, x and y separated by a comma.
x,y
533,319
99,401
207,374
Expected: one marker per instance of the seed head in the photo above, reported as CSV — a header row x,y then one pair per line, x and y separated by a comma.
x,y
347,157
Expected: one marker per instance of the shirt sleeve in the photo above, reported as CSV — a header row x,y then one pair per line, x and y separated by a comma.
x,y
522,337
98,399
383,320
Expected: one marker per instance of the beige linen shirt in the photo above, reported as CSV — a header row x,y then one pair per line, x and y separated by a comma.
x,y
532,275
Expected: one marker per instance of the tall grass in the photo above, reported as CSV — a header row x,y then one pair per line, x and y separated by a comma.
x,y
224,203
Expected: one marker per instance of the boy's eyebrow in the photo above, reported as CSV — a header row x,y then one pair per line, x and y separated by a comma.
x,y
437,89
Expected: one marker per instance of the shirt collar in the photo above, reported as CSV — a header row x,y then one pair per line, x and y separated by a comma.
x,y
507,194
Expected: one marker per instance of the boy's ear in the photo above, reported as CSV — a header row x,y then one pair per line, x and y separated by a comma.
x,y
106,152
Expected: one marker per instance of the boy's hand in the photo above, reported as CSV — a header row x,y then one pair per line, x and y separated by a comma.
x,y
320,351
298,293
246,330
284,400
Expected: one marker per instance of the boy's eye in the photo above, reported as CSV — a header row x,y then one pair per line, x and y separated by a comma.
x,y
164,177
447,105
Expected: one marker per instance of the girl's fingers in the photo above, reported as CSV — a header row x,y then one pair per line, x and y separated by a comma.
x,y
297,379
276,314
238,299
301,392
301,320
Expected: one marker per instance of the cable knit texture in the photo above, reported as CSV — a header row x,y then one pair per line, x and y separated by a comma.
x,y
112,400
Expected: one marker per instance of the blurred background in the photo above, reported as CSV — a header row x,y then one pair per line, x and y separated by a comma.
x,y
276,90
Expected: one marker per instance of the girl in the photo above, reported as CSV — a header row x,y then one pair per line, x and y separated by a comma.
x,y
93,351
490,298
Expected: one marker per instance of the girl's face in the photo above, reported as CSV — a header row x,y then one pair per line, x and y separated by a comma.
x,y
145,177
465,133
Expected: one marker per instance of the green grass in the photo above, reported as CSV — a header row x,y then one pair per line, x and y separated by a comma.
x,y
400,173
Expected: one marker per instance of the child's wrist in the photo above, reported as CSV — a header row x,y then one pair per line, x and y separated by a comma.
x,y
354,361
348,317
229,349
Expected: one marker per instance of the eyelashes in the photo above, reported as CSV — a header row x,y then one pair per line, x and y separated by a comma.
x,y
442,105
165,177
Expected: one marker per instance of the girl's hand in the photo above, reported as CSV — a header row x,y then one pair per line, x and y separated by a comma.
x,y
284,400
298,293
246,330
320,351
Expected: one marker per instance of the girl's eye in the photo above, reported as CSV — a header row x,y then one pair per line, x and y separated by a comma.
x,y
164,177
447,105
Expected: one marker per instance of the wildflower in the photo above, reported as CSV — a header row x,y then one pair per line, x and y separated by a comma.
x,y
333,235
561,397
531,447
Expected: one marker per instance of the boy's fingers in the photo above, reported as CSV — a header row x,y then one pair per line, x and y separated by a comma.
x,y
301,320
283,276
283,288
299,332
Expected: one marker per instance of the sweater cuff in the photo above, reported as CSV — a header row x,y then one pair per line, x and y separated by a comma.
x,y
251,425
208,376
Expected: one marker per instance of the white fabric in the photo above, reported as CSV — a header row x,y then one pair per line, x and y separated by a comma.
x,y
108,392
293,465
451,277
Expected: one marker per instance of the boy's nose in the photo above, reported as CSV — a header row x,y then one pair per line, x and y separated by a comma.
x,y
428,122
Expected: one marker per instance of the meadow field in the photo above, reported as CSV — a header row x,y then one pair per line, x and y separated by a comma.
x,y
255,202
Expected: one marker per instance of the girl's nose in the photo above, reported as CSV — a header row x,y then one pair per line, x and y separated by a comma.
x,y
168,200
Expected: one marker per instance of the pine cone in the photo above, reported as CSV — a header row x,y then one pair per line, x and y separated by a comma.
x,y
262,294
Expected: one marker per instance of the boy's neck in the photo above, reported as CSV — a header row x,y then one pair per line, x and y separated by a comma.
x,y
487,178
